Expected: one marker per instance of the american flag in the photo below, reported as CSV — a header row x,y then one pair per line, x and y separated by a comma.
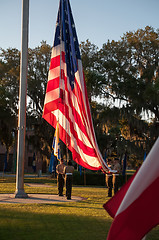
x,y
66,101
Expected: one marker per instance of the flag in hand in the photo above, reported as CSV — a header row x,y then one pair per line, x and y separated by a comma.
x,y
66,100
135,208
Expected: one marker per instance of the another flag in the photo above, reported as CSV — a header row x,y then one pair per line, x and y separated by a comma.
x,y
51,162
66,100
144,156
80,169
56,143
137,210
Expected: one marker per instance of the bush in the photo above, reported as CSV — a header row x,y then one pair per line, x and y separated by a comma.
x,y
90,178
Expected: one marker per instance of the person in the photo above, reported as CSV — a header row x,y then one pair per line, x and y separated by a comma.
x,y
69,169
116,175
60,177
109,177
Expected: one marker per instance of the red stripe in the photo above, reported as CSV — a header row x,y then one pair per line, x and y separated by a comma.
x,y
50,118
55,61
52,84
51,106
139,218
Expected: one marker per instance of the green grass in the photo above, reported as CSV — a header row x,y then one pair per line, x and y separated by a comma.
x,y
81,220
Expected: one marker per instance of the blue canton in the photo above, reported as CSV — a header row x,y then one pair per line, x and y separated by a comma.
x,y
65,31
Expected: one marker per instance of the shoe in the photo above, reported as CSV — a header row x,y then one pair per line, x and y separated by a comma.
x,y
68,198
60,195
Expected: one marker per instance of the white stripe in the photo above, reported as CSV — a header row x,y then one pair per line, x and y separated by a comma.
x,y
51,96
57,49
54,73
147,174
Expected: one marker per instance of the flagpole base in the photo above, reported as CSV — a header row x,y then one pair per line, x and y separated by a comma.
x,y
20,194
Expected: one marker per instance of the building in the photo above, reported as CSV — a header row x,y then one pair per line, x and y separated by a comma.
x,y
8,163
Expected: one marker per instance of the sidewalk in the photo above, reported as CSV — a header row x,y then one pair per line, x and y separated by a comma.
x,y
26,175
37,198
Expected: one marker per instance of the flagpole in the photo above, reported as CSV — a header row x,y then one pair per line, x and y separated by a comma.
x,y
19,193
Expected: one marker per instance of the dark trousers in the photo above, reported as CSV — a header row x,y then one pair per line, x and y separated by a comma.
x,y
109,184
68,186
60,184
115,183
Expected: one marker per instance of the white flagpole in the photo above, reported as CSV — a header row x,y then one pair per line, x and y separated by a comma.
x,y
19,193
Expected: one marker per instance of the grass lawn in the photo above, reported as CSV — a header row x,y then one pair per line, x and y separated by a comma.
x,y
76,221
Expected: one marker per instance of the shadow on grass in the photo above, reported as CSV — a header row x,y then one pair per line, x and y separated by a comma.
x,y
25,224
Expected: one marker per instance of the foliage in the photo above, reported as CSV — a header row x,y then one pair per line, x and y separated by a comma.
x,y
131,68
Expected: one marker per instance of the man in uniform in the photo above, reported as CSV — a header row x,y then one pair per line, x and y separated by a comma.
x,y
109,179
68,179
116,175
60,177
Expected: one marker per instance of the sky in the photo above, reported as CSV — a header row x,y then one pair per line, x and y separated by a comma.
x,y
96,20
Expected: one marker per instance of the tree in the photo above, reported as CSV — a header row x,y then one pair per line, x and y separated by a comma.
x,y
38,67
131,68
9,84
10,74
90,61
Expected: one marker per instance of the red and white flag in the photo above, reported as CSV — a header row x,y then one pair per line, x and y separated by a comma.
x,y
136,210
66,100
